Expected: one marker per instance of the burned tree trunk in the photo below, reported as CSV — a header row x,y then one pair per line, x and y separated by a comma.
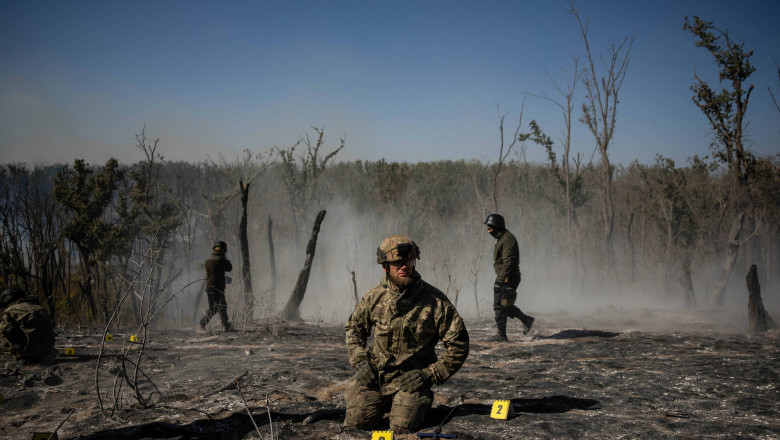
x,y
758,319
632,253
292,310
685,279
354,287
249,298
719,291
272,257
196,315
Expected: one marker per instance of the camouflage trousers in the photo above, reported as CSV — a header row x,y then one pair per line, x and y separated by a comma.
x,y
366,407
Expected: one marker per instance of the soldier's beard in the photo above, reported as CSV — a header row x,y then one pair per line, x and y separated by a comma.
x,y
399,281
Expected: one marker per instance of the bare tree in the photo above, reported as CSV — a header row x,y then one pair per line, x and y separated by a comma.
x,y
301,181
771,93
566,103
504,150
243,239
271,257
292,310
602,86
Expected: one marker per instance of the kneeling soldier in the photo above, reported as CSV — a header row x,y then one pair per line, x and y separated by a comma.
x,y
408,317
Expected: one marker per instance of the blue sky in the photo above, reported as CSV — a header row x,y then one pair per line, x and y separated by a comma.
x,y
402,80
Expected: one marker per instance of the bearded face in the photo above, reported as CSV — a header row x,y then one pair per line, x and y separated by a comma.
x,y
401,273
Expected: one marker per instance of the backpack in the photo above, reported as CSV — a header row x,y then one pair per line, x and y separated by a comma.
x,y
27,330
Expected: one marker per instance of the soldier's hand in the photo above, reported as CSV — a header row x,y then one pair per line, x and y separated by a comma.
x,y
500,287
414,380
365,374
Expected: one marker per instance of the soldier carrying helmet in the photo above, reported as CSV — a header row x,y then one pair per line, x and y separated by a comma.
x,y
408,318
216,266
506,263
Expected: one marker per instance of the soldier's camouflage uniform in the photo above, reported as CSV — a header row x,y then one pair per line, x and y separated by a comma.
x,y
506,263
27,331
407,326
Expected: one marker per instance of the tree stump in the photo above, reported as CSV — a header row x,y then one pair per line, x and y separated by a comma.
x,y
291,311
758,319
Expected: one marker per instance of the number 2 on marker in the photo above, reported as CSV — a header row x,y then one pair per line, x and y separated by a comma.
x,y
501,409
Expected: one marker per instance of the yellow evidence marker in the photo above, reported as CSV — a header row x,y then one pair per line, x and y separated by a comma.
x,y
133,338
382,435
109,338
70,351
502,410
44,436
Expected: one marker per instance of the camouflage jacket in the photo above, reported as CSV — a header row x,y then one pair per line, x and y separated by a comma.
x,y
407,326
506,256
216,266
26,329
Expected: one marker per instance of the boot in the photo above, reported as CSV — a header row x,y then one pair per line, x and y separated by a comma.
x,y
528,321
500,335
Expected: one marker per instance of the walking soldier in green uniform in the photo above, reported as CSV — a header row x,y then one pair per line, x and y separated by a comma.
x,y
216,266
506,263
408,318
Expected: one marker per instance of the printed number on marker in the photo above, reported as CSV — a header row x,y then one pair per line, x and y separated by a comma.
x,y
109,338
502,409
382,435
70,351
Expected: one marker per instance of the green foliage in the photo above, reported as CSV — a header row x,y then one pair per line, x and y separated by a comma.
x,y
85,195
725,109
667,188
148,206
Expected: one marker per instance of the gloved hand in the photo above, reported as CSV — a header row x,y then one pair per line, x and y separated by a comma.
x,y
414,380
366,374
499,287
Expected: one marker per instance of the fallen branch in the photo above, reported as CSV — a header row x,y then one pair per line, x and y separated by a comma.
x,y
238,388
230,386
270,420
54,433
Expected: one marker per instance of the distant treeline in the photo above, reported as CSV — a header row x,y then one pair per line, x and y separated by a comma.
x,y
72,234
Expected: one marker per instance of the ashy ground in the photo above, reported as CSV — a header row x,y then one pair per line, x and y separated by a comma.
x,y
608,375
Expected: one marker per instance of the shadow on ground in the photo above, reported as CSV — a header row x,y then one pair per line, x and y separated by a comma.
x,y
573,334
235,426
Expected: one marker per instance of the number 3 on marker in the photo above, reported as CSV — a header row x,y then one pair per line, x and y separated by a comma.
x,y
502,409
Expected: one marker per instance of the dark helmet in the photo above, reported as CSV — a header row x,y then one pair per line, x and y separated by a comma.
x,y
495,221
221,245
10,295
397,248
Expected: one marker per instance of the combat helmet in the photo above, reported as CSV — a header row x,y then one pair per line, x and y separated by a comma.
x,y
221,245
10,295
397,248
496,221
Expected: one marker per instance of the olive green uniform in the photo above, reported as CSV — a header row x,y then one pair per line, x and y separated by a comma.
x,y
27,331
407,327
506,264
216,266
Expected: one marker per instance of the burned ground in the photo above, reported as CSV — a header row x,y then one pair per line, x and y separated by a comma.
x,y
610,374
